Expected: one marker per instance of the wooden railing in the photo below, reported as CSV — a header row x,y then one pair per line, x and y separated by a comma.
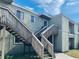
x,y
47,45
38,34
50,30
41,30
38,46
9,19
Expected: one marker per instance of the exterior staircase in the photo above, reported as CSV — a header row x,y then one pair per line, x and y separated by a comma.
x,y
13,25
43,37
37,34
53,29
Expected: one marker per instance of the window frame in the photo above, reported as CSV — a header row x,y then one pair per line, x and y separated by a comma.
x,y
21,13
32,20
44,22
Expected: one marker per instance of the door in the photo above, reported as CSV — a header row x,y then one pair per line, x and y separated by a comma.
x,y
71,43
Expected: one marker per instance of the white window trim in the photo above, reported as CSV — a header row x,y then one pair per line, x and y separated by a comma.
x,y
47,22
22,12
34,18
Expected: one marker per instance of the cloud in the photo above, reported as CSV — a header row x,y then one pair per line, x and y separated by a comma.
x,y
50,6
71,3
72,6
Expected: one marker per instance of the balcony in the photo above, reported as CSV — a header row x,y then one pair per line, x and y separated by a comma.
x,y
71,32
71,35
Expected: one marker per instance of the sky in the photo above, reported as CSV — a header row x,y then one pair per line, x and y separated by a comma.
x,y
69,8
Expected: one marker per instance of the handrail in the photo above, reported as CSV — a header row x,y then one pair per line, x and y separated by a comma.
x,y
40,30
50,30
38,46
45,34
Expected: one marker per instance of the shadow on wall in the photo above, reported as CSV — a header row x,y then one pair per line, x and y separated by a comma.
x,y
21,50
16,49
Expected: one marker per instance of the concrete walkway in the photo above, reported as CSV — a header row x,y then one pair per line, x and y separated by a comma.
x,y
63,56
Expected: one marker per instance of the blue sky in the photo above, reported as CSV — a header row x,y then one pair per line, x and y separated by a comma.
x,y
70,8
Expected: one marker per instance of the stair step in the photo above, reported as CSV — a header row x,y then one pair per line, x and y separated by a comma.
x,y
10,30
47,57
21,38
16,34
13,33
35,56
18,37
46,52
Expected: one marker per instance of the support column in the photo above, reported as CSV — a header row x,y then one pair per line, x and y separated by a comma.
x,y
53,42
3,40
76,36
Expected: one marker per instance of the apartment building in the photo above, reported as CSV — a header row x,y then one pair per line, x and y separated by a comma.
x,y
24,32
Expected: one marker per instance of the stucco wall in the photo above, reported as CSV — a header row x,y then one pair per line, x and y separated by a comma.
x,y
76,42
65,32
10,46
58,21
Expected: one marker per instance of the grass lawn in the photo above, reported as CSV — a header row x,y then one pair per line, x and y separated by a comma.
x,y
16,57
73,53
21,57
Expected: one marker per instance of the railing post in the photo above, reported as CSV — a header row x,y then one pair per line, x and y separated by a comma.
x,y
3,44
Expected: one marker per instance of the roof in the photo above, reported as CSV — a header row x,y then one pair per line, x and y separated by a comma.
x,y
45,15
25,8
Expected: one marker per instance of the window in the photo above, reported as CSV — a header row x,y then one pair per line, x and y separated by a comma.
x,y
20,15
45,23
32,18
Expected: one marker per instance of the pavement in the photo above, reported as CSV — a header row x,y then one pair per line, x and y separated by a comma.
x,y
63,56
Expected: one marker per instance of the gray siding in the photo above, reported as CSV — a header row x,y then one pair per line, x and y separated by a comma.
x,y
33,26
